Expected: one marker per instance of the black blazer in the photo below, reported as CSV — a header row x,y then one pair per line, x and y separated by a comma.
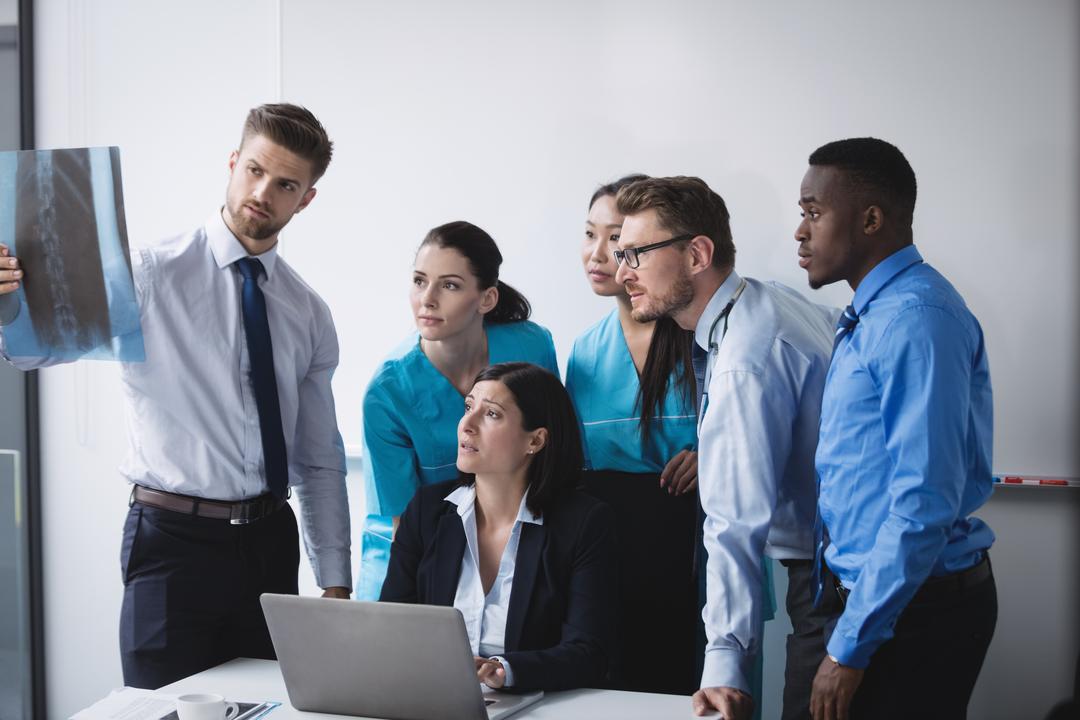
x,y
560,625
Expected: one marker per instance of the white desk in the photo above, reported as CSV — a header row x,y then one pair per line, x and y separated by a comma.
x,y
258,680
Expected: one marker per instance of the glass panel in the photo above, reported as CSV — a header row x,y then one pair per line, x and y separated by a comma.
x,y
14,590
9,76
15,629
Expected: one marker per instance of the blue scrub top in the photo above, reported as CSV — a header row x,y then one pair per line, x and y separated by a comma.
x,y
411,413
603,383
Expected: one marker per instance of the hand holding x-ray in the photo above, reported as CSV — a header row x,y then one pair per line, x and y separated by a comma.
x,y
10,273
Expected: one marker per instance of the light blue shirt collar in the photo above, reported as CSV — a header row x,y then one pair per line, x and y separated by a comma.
x,y
227,249
882,273
465,499
716,305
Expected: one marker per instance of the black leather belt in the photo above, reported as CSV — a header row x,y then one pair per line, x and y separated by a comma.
x,y
938,588
240,512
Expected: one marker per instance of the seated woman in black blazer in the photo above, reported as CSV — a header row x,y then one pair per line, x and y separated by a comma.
x,y
528,560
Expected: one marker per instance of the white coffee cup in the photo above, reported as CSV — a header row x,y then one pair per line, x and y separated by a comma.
x,y
205,706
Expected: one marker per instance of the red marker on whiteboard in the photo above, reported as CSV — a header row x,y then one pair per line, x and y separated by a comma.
x,y
1036,481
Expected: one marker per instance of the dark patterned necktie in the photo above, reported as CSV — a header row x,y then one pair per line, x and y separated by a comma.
x,y
699,359
844,325
263,379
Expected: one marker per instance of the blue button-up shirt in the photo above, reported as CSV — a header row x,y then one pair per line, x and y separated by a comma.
x,y
905,447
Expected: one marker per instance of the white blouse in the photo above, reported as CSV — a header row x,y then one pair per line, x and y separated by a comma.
x,y
485,615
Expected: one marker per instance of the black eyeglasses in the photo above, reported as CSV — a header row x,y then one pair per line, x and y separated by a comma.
x,y
632,256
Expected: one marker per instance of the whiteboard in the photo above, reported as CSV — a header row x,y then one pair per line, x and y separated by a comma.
x,y
509,115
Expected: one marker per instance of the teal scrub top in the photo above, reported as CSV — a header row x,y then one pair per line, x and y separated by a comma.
x,y
603,383
411,413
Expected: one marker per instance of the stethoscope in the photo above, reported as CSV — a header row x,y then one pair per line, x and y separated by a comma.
x,y
714,345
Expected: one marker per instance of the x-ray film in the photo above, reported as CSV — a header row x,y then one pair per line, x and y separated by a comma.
x,y
62,215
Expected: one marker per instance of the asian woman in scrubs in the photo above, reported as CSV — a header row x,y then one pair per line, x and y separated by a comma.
x,y
466,319
633,388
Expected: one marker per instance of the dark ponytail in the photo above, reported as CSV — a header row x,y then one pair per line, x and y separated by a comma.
x,y
484,258
667,365
512,306
667,368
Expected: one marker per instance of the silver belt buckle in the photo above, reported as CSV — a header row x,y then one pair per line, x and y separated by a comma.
x,y
240,513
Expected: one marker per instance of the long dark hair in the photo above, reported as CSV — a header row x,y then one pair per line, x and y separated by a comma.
x,y
544,403
669,349
669,355
484,260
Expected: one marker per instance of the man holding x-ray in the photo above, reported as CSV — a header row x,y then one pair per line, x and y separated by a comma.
x,y
230,410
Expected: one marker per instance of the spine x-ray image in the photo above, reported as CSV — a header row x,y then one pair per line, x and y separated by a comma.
x,y
62,215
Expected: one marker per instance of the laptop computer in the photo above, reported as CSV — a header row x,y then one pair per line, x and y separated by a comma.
x,y
385,660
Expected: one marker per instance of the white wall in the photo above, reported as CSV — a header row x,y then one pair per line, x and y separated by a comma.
x,y
509,114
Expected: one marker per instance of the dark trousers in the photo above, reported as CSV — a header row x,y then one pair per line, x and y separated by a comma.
x,y
658,608
191,590
806,643
929,667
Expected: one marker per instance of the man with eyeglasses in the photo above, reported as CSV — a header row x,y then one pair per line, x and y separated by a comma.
x,y
760,354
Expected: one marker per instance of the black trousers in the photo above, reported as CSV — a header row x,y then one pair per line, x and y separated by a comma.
x,y
806,643
929,667
658,608
191,590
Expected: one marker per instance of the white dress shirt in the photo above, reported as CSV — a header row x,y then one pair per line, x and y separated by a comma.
x,y
757,432
485,615
193,427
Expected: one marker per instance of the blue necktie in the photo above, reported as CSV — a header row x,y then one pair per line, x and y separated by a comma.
x,y
263,380
699,359
844,325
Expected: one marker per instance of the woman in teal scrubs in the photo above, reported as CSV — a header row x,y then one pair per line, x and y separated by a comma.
x,y
631,382
466,319
633,388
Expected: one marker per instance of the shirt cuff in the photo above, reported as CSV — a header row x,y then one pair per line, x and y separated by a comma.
x,y
848,652
332,568
509,681
725,667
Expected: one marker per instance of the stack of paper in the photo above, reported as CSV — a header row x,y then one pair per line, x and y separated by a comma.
x,y
135,704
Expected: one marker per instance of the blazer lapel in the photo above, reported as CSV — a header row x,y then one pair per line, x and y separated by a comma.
x,y
526,566
449,551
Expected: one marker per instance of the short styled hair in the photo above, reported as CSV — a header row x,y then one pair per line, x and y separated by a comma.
x,y
555,471
684,206
876,171
294,128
